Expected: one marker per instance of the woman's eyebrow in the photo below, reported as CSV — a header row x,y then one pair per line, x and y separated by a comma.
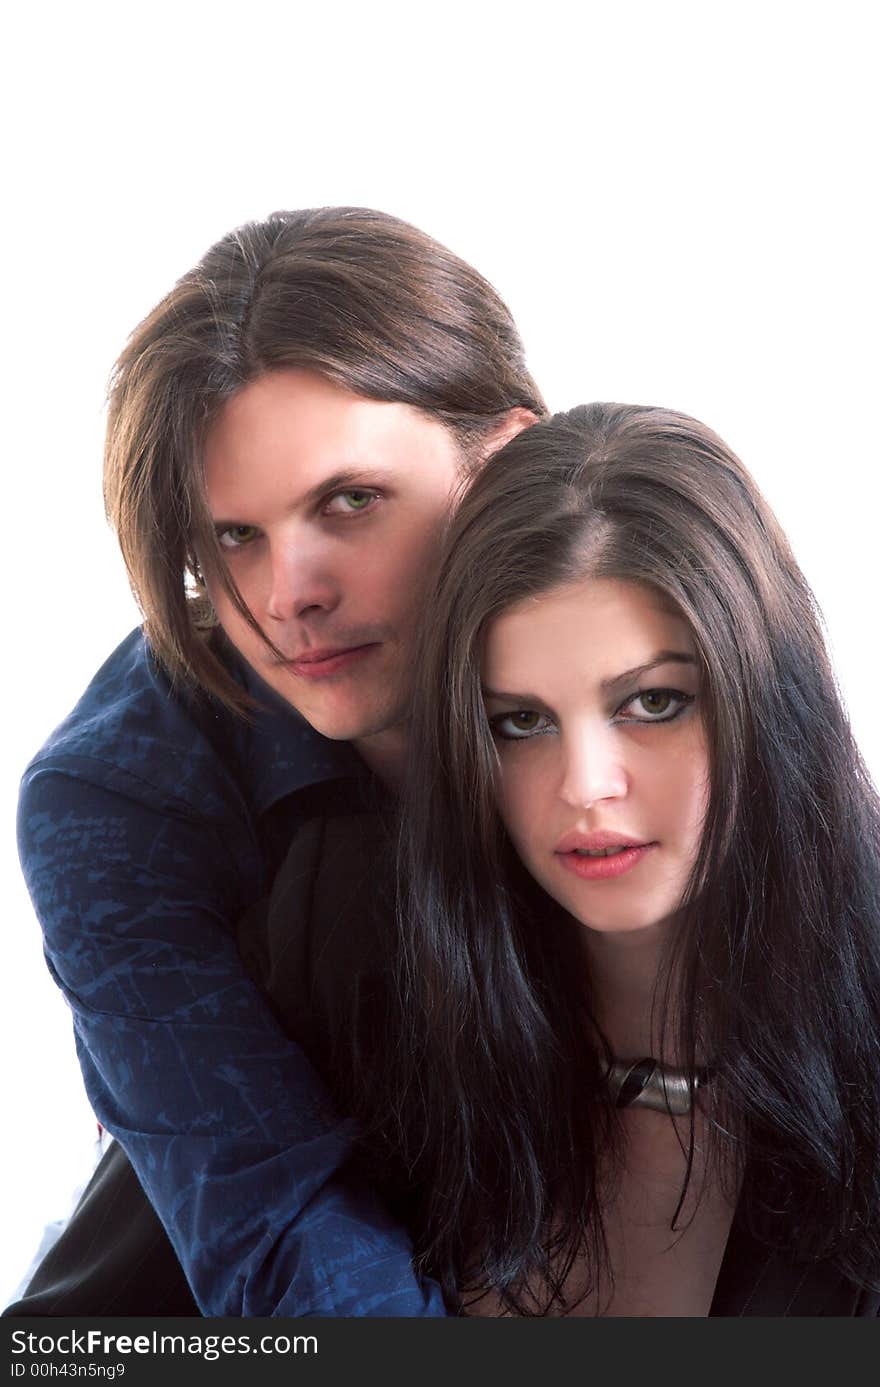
x,y
519,700
532,702
663,657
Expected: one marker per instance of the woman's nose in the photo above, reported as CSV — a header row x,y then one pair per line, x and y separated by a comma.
x,y
593,768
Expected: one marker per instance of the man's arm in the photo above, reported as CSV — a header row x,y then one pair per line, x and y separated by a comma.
x,y
226,1123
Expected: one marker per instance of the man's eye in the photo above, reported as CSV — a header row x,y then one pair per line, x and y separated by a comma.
x,y
515,727
350,502
655,705
236,536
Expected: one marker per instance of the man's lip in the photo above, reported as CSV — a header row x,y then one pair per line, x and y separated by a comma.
x,y
575,841
315,656
327,661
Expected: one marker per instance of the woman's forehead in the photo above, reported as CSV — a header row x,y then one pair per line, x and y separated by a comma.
x,y
611,623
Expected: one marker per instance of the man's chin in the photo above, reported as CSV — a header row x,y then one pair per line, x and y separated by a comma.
x,y
353,724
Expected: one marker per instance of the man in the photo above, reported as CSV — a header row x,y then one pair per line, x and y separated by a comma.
x,y
287,432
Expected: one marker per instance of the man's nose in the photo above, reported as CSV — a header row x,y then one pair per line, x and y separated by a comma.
x,y
593,768
300,581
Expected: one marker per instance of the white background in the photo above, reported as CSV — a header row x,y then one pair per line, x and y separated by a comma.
x,y
677,200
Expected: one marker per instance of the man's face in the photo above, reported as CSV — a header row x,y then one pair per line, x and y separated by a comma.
x,y
328,508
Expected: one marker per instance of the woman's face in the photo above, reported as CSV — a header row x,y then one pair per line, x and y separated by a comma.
x,y
593,694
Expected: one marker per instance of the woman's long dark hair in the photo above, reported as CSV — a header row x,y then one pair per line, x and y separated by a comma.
x,y
492,1069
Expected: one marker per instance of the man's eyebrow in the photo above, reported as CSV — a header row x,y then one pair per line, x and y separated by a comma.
x,y
531,701
350,479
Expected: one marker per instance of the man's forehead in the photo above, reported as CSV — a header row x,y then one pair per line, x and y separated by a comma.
x,y
303,406
308,434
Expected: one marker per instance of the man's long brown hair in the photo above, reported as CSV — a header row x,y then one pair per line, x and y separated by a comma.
x,y
361,297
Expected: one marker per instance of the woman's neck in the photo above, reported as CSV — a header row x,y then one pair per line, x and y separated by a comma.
x,y
624,968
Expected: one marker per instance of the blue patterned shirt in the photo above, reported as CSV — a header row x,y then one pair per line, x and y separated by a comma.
x,y
147,823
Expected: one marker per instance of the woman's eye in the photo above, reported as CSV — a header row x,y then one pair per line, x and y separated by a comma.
x,y
350,502
655,705
236,536
513,727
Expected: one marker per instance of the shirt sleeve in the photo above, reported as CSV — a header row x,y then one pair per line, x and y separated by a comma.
x,y
227,1125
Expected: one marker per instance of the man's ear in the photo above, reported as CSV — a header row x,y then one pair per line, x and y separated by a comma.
x,y
511,423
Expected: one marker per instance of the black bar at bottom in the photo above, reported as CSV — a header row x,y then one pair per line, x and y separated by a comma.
x,y
267,1351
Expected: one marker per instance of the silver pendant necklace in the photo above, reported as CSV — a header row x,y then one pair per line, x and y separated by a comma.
x,y
647,1083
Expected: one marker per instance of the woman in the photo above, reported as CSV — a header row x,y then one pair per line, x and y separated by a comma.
x,y
621,1055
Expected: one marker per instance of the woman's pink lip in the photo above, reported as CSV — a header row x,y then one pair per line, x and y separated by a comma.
x,y
323,667
597,838
604,868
